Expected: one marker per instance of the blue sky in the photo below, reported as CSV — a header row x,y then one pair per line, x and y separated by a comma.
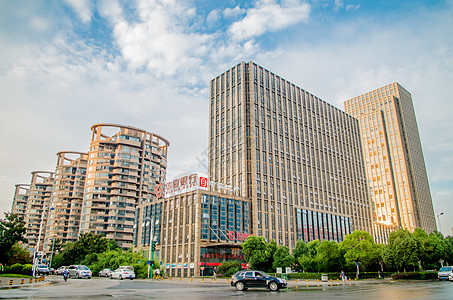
x,y
66,65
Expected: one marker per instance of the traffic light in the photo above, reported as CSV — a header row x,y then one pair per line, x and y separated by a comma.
x,y
153,246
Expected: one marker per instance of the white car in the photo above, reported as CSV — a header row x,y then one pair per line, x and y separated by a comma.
x,y
42,269
445,272
123,274
79,271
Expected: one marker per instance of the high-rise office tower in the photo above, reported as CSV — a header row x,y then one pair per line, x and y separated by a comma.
x,y
124,166
64,220
298,158
38,207
394,158
20,200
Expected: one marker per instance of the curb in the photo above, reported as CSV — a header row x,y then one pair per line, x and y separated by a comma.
x,y
12,282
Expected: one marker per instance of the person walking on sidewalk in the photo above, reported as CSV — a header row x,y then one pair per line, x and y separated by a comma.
x,y
343,276
214,272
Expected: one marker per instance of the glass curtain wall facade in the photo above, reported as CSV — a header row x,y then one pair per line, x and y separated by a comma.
x,y
394,158
67,196
286,150
200,229
124,166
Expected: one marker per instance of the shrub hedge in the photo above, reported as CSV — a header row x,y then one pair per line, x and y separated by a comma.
x,y
18,269
415,276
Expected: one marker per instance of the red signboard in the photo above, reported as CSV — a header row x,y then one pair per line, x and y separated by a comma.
x,y
203,182
238,236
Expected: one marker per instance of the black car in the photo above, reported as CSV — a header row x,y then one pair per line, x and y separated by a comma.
x,y
243,280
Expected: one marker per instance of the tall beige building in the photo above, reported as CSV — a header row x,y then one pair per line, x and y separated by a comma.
x,y
69,183
124,166
20,200
298,158
38,207
394,158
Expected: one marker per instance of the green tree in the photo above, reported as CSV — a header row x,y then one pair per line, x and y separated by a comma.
x,y
359,247
258,253
12,230
449,250
328,257
403,250
282,258
229,267
76,252
300,250
307,263
19,255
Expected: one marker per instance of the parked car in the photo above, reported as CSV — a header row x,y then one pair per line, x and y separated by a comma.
x,y
122,274
43,270
79,271
127,267
444,272
243,280
61,269
105,273
450,277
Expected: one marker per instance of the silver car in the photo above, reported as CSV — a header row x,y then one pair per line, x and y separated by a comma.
x,y
79,271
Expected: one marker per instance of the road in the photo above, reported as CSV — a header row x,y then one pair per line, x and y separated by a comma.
x,y
102,288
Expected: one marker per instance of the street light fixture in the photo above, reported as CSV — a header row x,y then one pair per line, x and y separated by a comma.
x,y
35,259
438,221
150,244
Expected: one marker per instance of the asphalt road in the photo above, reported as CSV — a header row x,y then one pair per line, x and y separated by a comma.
x,y
102,288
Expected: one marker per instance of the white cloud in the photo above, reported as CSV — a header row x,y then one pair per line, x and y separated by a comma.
x,y
350,7
269,16
83,8
213,17
233,12
338,4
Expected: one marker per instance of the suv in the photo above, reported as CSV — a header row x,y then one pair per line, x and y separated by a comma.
x,y
242,280
444,272
42,269
79,271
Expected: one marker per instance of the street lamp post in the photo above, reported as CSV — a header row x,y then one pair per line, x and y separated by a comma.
x,y
35,262
150,243
438,221
51,253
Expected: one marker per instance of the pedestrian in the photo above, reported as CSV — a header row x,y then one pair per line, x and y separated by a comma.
x,y
214,272
158,273
343,276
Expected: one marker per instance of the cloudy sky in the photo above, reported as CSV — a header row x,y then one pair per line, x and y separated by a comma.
x,y
66,65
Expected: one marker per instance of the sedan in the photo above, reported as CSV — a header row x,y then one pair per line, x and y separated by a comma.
x,y
242,280
61,270
105,273
122,273
79,271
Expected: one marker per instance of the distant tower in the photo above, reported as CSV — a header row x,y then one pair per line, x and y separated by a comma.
x,y
124,166
20,200
394,158
38,207
63,223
